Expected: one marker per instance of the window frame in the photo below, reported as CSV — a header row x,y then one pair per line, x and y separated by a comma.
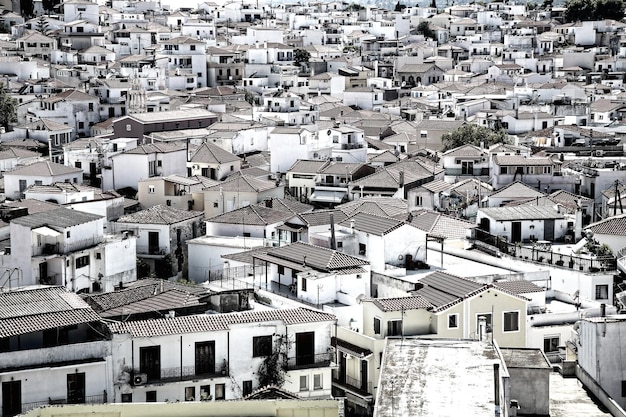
x,y
454,316
262,346
515,326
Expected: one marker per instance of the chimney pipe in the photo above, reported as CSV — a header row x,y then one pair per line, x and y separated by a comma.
x,y
401,180
602,310
351,226
333,242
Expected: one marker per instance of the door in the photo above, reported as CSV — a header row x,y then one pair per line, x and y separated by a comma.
x,y
516,232
548,229
76,388
484,224
43,273
93,173
153,242
150,362
205,358
305,348
364,376
11,398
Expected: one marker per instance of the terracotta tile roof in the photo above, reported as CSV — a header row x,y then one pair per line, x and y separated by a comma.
x,y
210,153
525,212
43,168
256,215
308,166
466,150
437,186
29,310
516,189
518,286
381,206
160,214
322,217
373,224
414,302
152,148
316,257
215,322
611,226
61,217
441,225
243,183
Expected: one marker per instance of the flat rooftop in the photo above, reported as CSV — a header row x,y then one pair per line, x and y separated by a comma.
x,y
436,377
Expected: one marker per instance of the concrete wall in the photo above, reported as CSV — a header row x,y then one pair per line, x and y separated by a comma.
x,y
531,388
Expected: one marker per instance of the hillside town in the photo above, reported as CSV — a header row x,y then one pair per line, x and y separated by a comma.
x,y
313,208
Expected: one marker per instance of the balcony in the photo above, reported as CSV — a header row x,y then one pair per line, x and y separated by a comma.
x,y
318,360
156,251
354,385
89,399
347,146
184,373
460,171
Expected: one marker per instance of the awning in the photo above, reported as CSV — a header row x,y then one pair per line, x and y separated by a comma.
x,y
46,231
327,196
290,228
350,348
283,262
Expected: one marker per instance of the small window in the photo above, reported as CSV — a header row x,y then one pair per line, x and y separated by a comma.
x,y
602,292
190,393
317,381
129,128
215,205
205,392
151,396
303,284
551,344
220,391
82,261
511,321
453,321
281,270
67,234
159,163
247,388
304,382
98,255
419,201
127,398
150,189
394,328
376,325
261,346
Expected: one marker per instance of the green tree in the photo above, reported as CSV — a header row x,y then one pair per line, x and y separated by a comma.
x,y
42,25
272,370
474,135
580,10
301,56
399,7
424,29
27,8
8,109
49,5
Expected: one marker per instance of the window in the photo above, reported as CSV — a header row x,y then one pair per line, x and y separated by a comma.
x,y
551,344
82,261
127,398
150,189
261,346
98,255
488,321
317,381
78,164
129,128
205,392
215,205
190,393
419,200
511,321
90,106
304,382
76,388
247,388
220,391
151,396
150,362
362,248
394,328
67,234
281,270
602,292
38,182
453,321
376,325
303,284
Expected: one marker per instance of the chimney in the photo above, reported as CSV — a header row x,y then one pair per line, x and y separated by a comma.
x,y
401,179
268,203
602,310
351,226
333,242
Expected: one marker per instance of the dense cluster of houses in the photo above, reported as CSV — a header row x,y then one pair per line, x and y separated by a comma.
x,y
261,202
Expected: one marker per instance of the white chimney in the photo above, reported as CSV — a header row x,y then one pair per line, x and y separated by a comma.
x,y
482,327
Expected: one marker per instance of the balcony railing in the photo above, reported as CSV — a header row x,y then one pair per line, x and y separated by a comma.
x,y
185,373
461,171
152,250
318,360
89,399
356,385
67,247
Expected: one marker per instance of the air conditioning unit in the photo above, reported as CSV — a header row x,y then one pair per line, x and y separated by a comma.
x,y
140,379
599,152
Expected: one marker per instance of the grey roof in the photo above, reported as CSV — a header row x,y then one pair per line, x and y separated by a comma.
x,y
35,309
322,217
373,224
441,225
171,115
517,189
61,218
210,153
525,212
518,286
611,226
413,302
160,214
284,204
43,168
316,257
381,206
253,215
308,166
518,160
216,322
243,183
157,147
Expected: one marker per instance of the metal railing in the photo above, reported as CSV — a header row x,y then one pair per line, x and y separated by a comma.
x,y
355,384
310,361
183,373
492,243
89,399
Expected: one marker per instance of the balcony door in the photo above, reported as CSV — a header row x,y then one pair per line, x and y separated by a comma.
x,y
76,388
153,242
205,358
150,362
305,348
11,398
